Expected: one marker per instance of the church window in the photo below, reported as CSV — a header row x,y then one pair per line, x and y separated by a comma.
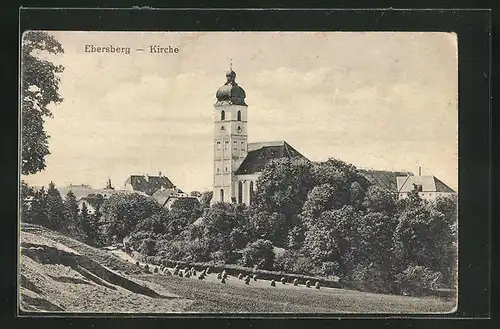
x,y
239,115
225,168
251,193
240,192
222,115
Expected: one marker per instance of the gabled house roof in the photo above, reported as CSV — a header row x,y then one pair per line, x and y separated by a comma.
x,y
383,179
259,154
149,184
162,195
428,183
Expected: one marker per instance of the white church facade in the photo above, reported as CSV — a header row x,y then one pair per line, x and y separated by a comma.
x,y
238,163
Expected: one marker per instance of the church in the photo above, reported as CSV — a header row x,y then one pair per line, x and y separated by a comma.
x,y
238,163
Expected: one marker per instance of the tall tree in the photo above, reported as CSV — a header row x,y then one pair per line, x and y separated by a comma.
x,y
55,208
72,224
39,88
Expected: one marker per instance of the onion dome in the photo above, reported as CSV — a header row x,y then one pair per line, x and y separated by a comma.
x,y
230,93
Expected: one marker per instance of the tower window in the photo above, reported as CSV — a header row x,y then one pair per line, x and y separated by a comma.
x,y
225,168
218,169
221,195
239,115
222,115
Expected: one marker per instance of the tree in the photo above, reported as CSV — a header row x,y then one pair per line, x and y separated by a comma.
x,y
38,209
72,224
55,208
186,210
334,236
219,223
27,199
39,89
423,237
205,199
379,200
89,226
283,186
122,212
269,226
282,190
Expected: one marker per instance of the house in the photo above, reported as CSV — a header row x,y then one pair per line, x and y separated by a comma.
x,y
428,187
386,180
148,184
171,199
166,197
238,163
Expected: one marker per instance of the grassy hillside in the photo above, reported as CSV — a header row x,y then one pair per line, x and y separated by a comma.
x,y
60,274
55,277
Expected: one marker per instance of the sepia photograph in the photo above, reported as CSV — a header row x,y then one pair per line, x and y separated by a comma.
x,y
238,172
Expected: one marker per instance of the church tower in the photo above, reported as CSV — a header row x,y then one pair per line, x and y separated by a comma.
x,y
230,138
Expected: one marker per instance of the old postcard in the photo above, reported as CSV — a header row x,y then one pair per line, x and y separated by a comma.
x,y
239,172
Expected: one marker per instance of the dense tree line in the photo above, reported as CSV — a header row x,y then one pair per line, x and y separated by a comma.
x,y
308,218
49,209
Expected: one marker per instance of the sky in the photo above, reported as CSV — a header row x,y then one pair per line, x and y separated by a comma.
x,y
377,100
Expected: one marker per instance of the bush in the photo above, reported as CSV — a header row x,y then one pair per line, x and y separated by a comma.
x,y
329,268
371,278
418,280
259,253
147,247
304,265
286,261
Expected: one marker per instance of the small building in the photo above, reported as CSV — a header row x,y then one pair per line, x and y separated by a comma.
x,y
428,187
148,184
